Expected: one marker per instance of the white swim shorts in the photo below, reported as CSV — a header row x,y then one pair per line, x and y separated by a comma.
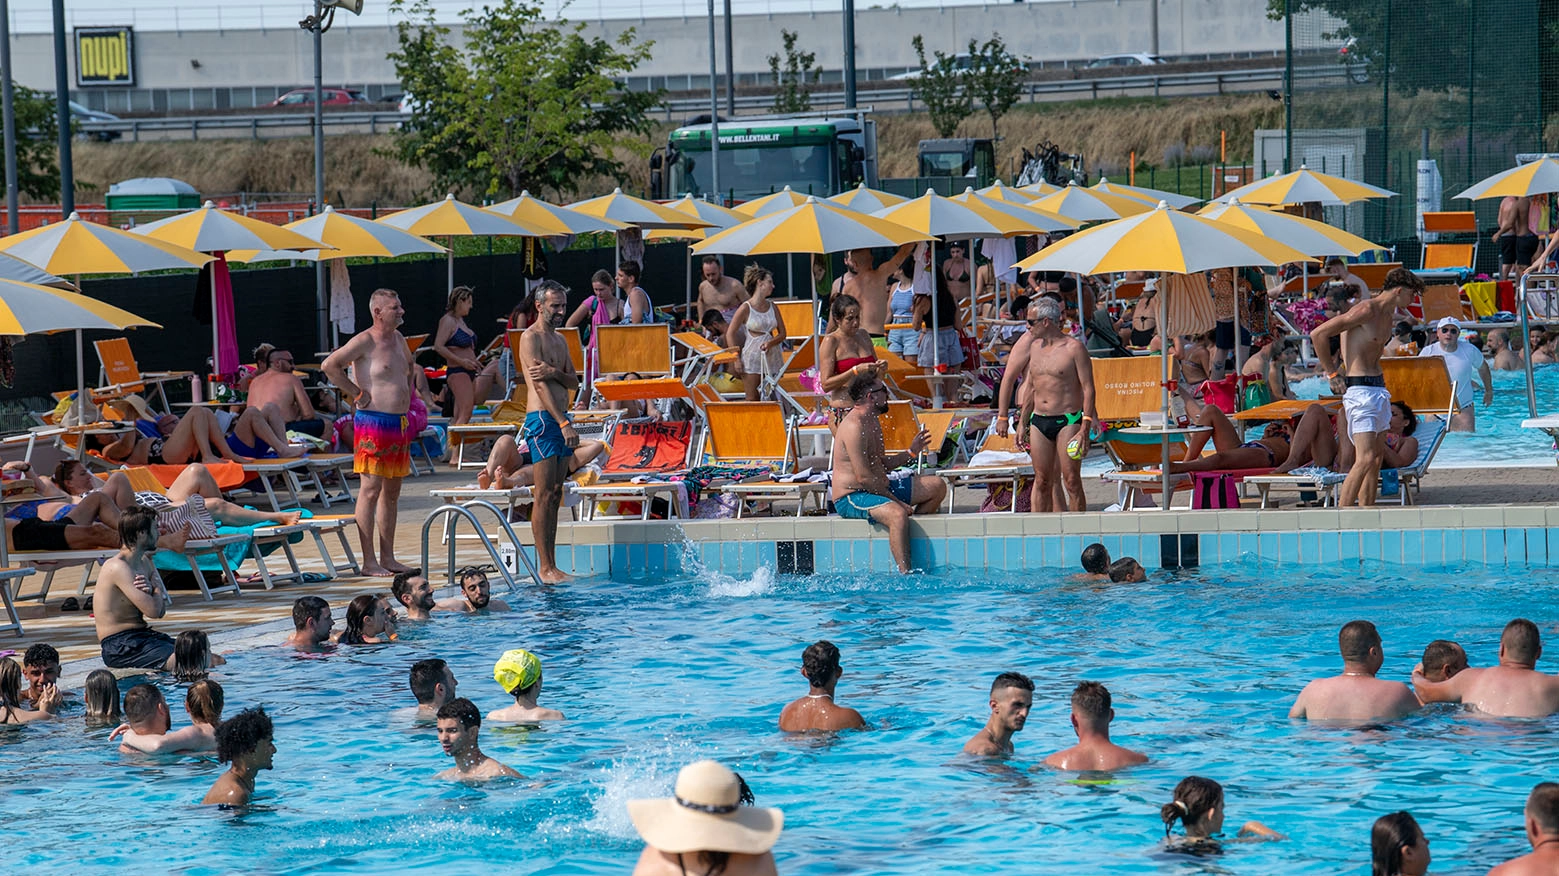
x,y
1368,409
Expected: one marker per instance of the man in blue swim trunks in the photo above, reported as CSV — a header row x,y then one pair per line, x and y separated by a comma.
x,y
861,489
549,376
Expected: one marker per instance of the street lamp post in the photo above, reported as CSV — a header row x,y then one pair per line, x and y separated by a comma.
x,y
62,111
324,16
9,109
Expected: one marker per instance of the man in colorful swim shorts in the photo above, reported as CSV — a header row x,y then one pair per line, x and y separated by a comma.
x,y
549,375
1365,328
861,489
381,361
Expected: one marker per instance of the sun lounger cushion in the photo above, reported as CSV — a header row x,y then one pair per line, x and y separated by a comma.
x,y
228,475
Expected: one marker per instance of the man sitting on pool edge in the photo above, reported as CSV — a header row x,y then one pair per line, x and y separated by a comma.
x,y
1012,695
861,488
1092,713
1356,695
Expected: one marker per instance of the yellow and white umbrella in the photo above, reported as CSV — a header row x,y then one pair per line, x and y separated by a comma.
x,y
75,247
1305,186
1088,205
783,199
352,237
1034,219
1152,196
628,210
812,227
1168,242
211,230
865,200
722,217
13,268
1533,178
538,213
29,309
452,218
1040,189
998,192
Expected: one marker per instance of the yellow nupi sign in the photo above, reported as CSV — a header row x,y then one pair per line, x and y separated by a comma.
x,y
105,56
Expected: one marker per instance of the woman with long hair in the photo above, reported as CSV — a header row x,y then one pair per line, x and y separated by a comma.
x,y
1198,805
102,697
844,353
465,378
759,319
1398,846
366,622
11,711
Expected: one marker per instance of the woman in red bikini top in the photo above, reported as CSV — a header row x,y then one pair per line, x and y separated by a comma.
x,y
845,353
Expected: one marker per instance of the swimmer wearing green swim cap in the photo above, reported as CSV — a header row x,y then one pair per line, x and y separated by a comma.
x,y
518,672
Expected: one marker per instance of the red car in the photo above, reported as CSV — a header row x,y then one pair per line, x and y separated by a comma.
x,y
305,97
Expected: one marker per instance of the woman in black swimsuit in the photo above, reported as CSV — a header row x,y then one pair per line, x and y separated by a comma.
x,y
955,273
1144,325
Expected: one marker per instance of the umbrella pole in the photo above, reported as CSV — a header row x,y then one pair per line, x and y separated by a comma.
x,y
936,332
1239,361
450,261
689,311
1521,305
81,394
1163,355
1082,318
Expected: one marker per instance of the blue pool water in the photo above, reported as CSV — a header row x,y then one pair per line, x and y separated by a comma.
x,y
657,673
1500,440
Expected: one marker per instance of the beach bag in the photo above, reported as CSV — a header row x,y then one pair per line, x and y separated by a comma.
x,y
998,497
1219,393
1257,393
971,349
1214,490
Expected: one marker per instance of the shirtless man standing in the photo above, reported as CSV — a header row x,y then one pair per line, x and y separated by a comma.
x,y
869,285
458,725
1058,376
1091,717
129,592
549,375
817,710
1357,695
1517,243
1365,328
1512,689
719,292
1541,817
1012,695
861,489
379,427
278,386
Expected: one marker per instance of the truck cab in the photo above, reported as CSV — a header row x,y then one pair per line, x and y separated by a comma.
x,y
959,157
817,156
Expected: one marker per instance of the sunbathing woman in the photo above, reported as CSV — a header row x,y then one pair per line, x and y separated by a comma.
x,y
197,437
1266,452
508,466
1316,441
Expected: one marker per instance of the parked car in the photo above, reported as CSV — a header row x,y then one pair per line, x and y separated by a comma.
x,y
1128,59
962,61
333,97
79,113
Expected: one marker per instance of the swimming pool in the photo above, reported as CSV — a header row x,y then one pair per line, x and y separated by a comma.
x,y
655,673
1500,440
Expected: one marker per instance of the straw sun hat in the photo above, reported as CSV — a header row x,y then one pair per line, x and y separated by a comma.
x,y
706,815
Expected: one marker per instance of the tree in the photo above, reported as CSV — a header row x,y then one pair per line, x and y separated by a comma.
x,y
526,104
943,87
996,78
37,164
791,94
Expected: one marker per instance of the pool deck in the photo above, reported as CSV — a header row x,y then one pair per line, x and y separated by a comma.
x,y
1513,511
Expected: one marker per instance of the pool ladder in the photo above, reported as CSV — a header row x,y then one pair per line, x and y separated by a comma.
x,y
449,514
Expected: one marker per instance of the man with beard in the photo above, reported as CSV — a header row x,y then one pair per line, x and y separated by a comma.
x,y
476,595
311,623
413,590
550,437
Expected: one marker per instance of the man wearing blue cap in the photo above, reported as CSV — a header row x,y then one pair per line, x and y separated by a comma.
x,y
518,672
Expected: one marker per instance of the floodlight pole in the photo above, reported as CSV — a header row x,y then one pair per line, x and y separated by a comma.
x,y
849,54
316,26
12,223
714,113
62,112
730,70
1288,87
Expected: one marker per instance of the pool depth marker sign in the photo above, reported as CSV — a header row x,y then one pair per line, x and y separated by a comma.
x,y
105,56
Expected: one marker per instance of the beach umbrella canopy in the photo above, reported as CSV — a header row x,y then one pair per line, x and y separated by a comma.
x,y
540,214
865,200
452,218
1305,186
30,309
998,192
211,230
1036,220
1039,189
718,217
937,216
628,210
76,246
815,226
352,237
783,199
1306,235
1088,205
13,268
1533,178
1152,196
1163,240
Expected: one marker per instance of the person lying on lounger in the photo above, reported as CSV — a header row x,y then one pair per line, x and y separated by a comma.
x,y
1317,443
1268,451
508,466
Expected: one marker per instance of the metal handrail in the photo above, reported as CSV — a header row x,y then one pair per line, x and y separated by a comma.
x,y
1217,81
503,520
449,510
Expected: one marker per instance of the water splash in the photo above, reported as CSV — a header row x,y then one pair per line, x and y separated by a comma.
x,y
721,584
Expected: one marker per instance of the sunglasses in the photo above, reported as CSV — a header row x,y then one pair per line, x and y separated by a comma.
x,y
1449,328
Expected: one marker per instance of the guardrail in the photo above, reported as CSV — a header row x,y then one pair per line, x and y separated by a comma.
x,y
883,100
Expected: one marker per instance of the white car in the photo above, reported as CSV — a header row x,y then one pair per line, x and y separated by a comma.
x,y
1129,59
